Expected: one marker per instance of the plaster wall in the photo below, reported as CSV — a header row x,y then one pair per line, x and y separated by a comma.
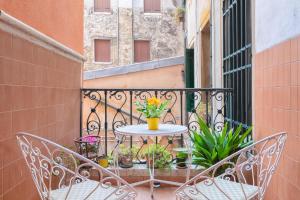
x,y
166,77
275,22
127,22
61,20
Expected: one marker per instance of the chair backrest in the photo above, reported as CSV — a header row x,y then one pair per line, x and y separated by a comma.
x,y
246,173
54,167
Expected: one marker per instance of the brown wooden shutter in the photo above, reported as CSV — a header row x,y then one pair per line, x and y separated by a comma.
x,y
155,5
102,50
147,6
152,5
141,51
102,5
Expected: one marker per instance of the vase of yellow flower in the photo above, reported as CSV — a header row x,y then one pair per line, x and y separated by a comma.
x,y
152,109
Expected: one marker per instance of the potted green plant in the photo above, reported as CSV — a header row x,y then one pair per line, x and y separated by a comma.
x,y
179,14
212,146
125,155
152,109
162,157
181,158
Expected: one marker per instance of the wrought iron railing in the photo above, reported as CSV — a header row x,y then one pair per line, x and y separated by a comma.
x,y
103,110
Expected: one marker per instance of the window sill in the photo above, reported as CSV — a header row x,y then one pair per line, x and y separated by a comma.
x,y
102,63
152,13
103,13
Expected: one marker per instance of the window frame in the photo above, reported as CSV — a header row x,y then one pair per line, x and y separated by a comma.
x,y
94,49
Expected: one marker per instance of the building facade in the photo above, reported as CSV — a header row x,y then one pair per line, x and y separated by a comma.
x,y
256,53
124,32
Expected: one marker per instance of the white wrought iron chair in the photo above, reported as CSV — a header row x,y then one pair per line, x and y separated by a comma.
x,y
59,173
244,175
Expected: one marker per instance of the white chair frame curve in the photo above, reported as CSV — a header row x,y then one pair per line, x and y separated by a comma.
x,y
244,175
60,173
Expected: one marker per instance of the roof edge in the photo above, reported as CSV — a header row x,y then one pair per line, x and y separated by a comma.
x,y
132,68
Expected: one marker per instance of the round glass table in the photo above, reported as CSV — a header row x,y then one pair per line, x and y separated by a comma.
x,y
142,130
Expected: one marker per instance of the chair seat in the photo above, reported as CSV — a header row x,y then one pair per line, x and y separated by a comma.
x,y
212,191
81,190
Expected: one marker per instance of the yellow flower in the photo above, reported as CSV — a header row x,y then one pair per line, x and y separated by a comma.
x,y
153,101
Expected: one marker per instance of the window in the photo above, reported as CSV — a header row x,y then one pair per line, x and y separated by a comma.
x,y
237,60
102,5
102,50
141,51
151,6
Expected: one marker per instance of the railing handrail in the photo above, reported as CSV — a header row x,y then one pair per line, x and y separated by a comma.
x,y
160,89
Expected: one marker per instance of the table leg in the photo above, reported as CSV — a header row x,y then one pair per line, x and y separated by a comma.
x,y
189,161
116,155
151,170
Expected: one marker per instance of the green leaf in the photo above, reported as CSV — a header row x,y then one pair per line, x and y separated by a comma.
x,y
210,146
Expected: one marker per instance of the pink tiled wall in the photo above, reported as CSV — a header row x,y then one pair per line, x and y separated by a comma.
x,y
40,94
277,108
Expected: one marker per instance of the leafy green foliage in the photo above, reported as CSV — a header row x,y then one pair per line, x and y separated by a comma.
x,y
127,151
162,157
211,147
182,155
152,108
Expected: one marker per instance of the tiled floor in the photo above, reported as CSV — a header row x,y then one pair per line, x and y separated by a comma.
x,y
162,193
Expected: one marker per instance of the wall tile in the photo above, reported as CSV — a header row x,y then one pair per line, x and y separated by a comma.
x,y
44,57
294,98
298,49
294,49
13,174
10,150
5,98
5,125
22,50
5,44
294,74
294,122
35,88
24,120
5,70
282,87
1,181
23,97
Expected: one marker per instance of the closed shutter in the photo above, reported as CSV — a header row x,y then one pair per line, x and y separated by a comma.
x,y
147,5
189,78
155,5
152,6
141,51
102,5
102,50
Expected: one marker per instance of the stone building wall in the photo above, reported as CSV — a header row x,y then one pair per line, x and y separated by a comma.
x,y
127,22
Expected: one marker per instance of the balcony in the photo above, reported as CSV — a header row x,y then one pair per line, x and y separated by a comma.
x,y
104,110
